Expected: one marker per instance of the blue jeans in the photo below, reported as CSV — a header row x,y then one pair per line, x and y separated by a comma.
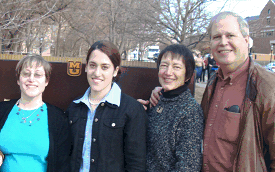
x,y
198,73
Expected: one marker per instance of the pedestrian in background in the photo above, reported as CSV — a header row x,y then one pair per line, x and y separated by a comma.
x,y
211,65
199,64
204,69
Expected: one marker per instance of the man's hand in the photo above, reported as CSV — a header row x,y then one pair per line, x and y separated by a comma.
x,y
144,103
155,96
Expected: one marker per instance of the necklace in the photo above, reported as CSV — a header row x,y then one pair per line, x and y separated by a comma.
x,y
24,119
92,102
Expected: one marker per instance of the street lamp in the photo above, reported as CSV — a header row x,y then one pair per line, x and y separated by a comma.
x,y
271,53
63,46
40,48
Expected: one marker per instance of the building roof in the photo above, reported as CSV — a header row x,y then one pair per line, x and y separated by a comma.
x,y
251,18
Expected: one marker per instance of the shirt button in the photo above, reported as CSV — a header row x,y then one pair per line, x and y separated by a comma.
x,y
71,121
113,124
102,104
204,165
222,88
92,160
96,120
210,125
205,144
216,105
231,83
94,140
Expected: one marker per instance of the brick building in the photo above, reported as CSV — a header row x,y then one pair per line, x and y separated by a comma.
x,y
262,29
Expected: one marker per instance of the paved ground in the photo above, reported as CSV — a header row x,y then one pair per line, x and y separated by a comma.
x,y
199,90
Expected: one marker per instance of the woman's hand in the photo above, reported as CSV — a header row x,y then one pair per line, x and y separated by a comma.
x,y
1,158
155,96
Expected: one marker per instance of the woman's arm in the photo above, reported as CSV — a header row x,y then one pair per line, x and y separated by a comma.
x,y
189,138
135,139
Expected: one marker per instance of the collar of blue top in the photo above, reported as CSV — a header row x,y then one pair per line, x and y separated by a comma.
x,y
113,97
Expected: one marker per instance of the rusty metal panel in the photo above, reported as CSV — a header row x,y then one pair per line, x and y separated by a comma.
x,y
137,82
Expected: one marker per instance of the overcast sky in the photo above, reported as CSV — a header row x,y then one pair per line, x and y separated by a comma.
x,y
244,8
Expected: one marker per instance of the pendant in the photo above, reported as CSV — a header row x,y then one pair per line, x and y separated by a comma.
x,y
24,120
159,109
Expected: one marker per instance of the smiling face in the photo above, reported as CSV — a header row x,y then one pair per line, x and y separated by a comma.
x,y
32,81
171,72
228,45
100,72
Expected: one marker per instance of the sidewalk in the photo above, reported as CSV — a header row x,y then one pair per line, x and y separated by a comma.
x,y
201,84
199,90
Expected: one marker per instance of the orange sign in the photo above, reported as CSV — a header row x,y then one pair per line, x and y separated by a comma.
x,y
74,68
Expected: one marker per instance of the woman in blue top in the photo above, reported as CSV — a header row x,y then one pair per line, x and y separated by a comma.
x,y
108,127
34,136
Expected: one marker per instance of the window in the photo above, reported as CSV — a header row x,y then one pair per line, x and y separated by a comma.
x,y
153,50
253,35
267,33
268,21
268,12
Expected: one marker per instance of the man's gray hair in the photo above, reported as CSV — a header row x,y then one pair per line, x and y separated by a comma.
x,y
244,28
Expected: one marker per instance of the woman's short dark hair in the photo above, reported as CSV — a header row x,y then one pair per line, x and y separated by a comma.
x,y
180,51
28,60
110,50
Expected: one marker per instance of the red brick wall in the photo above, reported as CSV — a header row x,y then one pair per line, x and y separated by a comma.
x,y
262,44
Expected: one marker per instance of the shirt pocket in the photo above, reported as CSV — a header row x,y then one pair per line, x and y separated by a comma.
x,y
229,126
113,129
114,123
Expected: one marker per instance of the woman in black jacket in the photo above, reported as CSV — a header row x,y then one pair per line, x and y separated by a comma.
x,y
34,136
108,127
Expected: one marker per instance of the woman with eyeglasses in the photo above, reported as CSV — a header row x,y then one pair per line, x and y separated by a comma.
x,y
34,135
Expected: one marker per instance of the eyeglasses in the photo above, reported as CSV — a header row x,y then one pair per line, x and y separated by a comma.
x,y
35,75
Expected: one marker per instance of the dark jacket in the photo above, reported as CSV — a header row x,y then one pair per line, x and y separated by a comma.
x,y
118,136
58,157
175,134
256,144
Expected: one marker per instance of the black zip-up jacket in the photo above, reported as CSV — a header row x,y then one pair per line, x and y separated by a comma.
x,y
118,136
58,159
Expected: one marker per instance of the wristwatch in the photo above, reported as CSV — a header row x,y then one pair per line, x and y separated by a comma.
x,y
1,158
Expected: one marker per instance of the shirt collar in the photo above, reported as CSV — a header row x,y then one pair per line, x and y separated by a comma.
x,y
241,70
113,97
